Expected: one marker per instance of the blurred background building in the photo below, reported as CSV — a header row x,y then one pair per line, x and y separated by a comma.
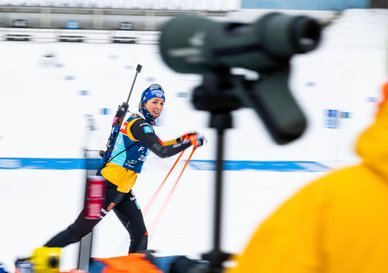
x,y
32,20
143,15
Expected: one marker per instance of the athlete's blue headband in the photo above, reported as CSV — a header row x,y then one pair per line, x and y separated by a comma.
x,y
153,91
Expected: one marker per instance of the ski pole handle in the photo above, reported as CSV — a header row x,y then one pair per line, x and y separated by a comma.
x,y
138,70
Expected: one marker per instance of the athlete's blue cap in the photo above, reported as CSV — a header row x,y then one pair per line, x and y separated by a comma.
x,y
153,91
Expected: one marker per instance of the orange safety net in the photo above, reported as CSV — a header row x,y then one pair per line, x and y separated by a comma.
x,y
133,263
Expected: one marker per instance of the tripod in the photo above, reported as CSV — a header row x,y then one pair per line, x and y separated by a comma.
x,y
218,95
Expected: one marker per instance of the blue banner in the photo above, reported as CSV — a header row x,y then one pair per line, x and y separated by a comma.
x,y
278,166
11,163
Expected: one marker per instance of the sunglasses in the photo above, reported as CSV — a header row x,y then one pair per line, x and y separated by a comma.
x,y
155,86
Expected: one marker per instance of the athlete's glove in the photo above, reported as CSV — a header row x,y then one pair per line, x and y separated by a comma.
x,y
185,136
200,140
195,138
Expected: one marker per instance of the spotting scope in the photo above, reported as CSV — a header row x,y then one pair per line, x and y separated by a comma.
x,y
199,45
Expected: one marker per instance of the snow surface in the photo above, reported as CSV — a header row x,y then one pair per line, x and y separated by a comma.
x,y
47,105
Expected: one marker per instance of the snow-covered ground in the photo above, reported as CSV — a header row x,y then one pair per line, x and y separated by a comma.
x,y
51,94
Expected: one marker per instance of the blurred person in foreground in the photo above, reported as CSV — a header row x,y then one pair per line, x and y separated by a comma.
x,y
337,223
136,138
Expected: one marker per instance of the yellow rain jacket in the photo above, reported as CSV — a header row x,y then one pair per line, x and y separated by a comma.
x,y
336,224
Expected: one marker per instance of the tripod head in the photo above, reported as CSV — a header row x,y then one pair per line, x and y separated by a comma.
x,y
222,92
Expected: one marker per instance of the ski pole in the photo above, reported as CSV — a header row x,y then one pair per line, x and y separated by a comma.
x,y
154,195
161,184
164,205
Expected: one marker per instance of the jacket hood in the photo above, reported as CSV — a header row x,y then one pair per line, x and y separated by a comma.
x,y
372,144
